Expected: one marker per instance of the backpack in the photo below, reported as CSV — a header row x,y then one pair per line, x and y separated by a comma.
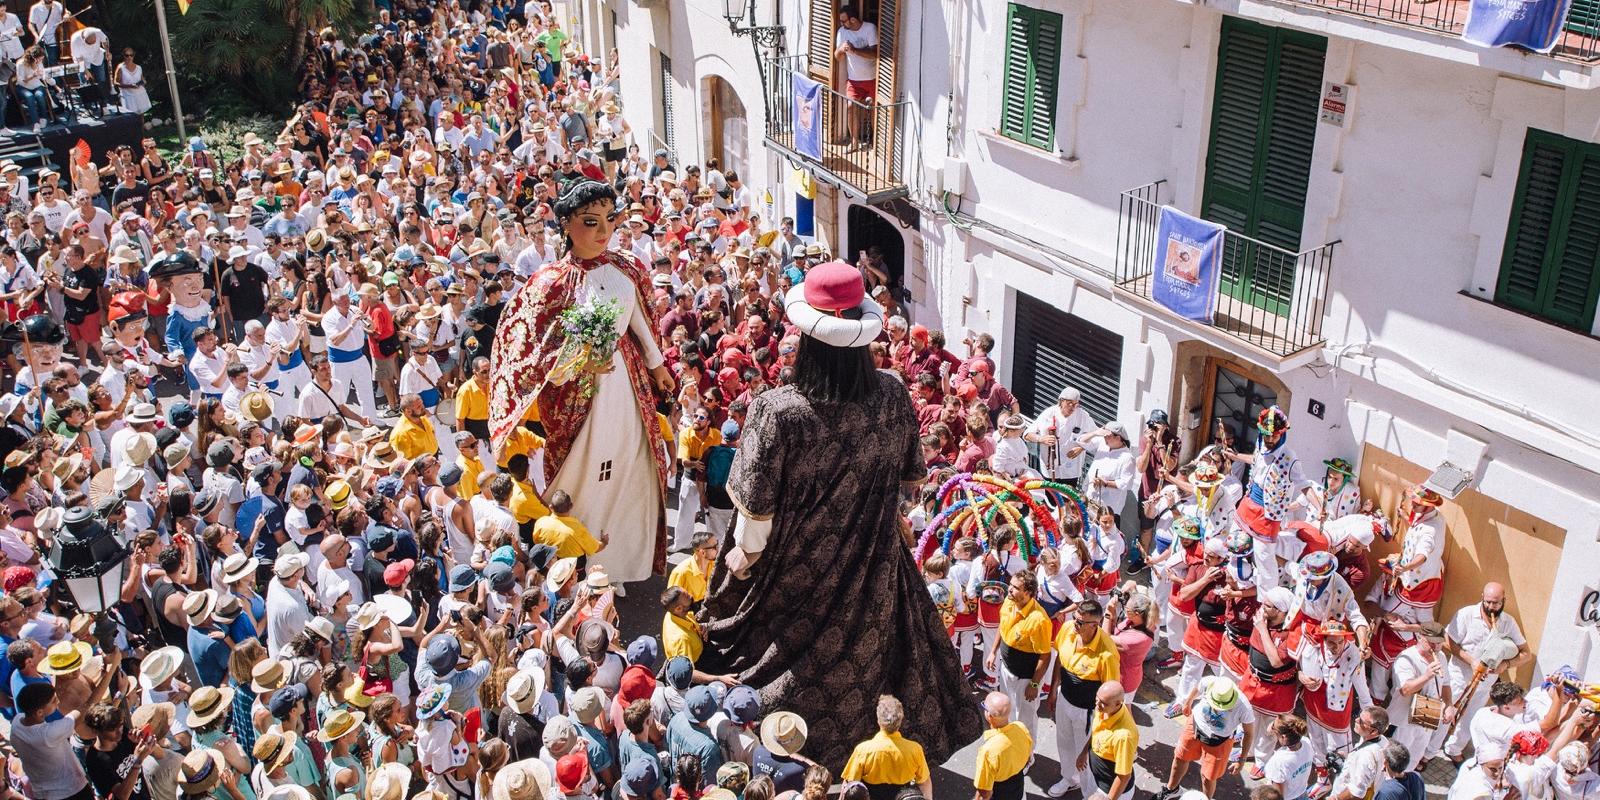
x,y
719,463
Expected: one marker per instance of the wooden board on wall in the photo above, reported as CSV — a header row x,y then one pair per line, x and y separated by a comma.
x,y
1487,541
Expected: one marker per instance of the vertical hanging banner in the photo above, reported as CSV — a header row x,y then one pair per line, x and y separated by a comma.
x,y
1533,24
807,112
1184,277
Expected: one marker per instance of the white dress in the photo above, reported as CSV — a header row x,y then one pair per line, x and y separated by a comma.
x,y
136,99
610,472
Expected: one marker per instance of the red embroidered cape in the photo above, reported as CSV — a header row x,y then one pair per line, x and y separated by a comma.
x,y
526,343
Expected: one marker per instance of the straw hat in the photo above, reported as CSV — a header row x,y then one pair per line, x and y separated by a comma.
x,y
65,658
784,733
340,724
200,772
207,703
367,616
381,457
68,465
239,566
139,447
268,675
156,716
389,782
275,749
159,667
528,779
256,406
199,605
427,312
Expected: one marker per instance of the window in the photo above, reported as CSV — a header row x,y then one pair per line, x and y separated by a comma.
x,y
1551,265
669,139
1033,65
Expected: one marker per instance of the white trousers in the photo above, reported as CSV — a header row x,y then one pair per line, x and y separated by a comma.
x,y
286,401
358,375
1177,625
719,521
1194,668
1072,736
688,509
1419,741
1325,741
1462,737
1014,687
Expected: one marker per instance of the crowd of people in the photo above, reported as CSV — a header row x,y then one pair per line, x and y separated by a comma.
x,y
269,379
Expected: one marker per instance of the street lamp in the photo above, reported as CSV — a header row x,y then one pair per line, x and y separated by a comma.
x,y
92,562
744,11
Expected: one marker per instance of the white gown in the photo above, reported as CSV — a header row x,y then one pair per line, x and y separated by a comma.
x,y
610,472
136,99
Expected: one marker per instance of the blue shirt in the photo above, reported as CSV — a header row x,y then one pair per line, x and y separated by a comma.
x,y
1406,787
599,749
210,656
786,774
684,736
260,505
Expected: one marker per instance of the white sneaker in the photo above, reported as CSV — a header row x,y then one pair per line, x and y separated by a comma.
x,y
1061,787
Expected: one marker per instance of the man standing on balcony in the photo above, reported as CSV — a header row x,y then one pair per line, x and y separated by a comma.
x,y
857,45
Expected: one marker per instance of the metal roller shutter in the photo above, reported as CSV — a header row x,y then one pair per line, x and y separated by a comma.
x,y
1053,349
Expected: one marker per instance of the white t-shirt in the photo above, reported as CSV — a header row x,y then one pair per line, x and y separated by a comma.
x,y
316,402
1212,723
1291,769
287,614
859,67
1468,630
47,758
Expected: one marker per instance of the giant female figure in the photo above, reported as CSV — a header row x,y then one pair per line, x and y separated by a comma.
x,y
603,441
821,607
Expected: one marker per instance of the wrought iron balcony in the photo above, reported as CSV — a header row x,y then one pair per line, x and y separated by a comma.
x,y
873,171
1579,41
1268,297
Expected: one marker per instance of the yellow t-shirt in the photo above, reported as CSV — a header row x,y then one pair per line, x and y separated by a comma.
x,y
1115,739
525,502
412,439
1093,661
472,402
566,534
680,636
887,758
520,441
1003,754
471,468
689,577
1025,628
692,444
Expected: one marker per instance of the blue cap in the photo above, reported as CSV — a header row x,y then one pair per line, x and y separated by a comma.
x,y
502,555
197,144
743,705
680,670
444,652
451,475
640,776
284,700
730,431
462,577
646,652
499,576
390,485
701,703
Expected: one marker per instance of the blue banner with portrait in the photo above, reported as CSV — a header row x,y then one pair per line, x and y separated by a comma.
x,y
807,116
1533,24
1184,277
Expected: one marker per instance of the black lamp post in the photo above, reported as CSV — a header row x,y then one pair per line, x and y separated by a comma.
x,y
92,562
744,11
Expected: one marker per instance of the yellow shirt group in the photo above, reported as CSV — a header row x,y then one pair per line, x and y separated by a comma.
x,y
520,441
680,636
689,577
887,758
472,401
1115,738
1004,753
692,444
414,438
525,503
1025,628
1095,660
566,534
471,468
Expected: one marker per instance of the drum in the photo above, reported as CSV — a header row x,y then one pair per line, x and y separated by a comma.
x,y
992,592
1426,712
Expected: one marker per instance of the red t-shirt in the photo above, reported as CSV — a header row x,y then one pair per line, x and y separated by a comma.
x,y
382,327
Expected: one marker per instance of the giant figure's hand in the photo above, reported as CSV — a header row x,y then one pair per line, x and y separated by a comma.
x,y
663,379
739,562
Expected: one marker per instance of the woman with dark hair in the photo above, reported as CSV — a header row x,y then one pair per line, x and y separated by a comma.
x,y
603,439
822,608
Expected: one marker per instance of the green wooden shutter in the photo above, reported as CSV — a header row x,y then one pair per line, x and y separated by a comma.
x,y
1031,77
1551,263
1584,17
1264,124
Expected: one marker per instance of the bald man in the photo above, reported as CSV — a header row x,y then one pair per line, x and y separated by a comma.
x,y
1107,761
1465,638
1003,756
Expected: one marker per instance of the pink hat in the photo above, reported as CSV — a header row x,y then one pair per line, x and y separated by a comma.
x,y
834,287
834,308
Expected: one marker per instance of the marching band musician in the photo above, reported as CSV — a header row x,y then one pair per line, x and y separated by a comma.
x,y
1419,672
1467,632
1057,431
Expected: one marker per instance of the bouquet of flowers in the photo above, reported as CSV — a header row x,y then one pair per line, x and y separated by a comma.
x,y
590,341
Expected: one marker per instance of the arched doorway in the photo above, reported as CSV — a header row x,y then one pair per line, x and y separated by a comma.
x,y
726,131
870,230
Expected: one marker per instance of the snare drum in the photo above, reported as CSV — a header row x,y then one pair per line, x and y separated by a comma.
x,y
1426,712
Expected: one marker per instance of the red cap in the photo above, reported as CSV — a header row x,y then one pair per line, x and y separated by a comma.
x,y
571,770
17,577
979,366
126,304
727,375
637,684
966,391
834,287
395,574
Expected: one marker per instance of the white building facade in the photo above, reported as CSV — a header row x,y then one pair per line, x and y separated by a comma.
x,y
1414,224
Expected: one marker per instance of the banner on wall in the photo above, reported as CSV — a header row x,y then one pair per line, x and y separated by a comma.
x,y
1533,24
1184,277
807,113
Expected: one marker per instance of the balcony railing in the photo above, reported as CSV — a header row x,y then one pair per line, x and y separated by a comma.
x,y
873,170
1269,297
1580,36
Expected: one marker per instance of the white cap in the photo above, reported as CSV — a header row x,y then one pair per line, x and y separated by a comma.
x,y
237,252
126,476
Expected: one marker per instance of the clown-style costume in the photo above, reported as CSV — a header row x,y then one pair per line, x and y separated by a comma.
x,y
1424,539
1331,674
1329,598
1276,479
1102,573
1332,502
604,440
